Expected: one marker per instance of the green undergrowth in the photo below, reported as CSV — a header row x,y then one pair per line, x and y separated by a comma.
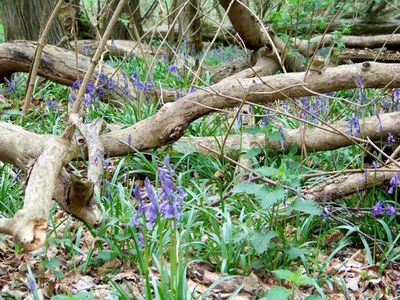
x,y
253,228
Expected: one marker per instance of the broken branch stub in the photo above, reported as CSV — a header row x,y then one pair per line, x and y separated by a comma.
x,y
29,224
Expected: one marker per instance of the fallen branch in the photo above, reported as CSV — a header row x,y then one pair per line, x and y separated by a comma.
x,y
171,121
313,139
360,55
345,185
350,41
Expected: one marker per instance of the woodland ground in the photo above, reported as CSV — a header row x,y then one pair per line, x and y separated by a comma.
x,y
243,245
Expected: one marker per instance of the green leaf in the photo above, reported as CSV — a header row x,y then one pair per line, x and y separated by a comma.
x,y
277,293
248,188
52,263
314,297
275,136
306,206
268,197
267,171
261,241
253,152
254,130
284,275
295,252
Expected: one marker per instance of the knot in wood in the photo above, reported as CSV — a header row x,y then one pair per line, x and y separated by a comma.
x,y
177,132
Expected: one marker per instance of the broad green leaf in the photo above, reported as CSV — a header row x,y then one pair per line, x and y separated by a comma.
x,y
52,263
284,275
307,206
275,136
261,241
253,152
295,252
267,171
268,197
277,293
247,187
254,130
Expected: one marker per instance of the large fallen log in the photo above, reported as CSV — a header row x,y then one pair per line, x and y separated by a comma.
x,y
59,65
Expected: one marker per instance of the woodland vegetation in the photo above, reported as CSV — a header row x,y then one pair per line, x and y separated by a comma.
x,y
198,149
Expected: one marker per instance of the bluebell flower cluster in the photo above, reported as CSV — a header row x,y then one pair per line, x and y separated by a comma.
x,y
361,91
104,87
315,106
165,202
394,182
353,126
137,82
390,138
10,84
378,210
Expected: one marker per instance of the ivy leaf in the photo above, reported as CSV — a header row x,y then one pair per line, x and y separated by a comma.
x,y
277,293
254,130
261,241
306,206
314,297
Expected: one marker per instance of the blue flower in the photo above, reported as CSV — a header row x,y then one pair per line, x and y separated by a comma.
x,y
390,138
52,104
394,182
10,84
354,126
103,78
377,209
374,164
390,210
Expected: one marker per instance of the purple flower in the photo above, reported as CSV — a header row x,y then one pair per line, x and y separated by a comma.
x,y
86,48
87,100
52,104
103,78
90,88
390,138
325,213
110,84
374,164
390,210
152,208
377,209
378,126
173,69
126,88
31,282
354,126
76,85
10,84
394,182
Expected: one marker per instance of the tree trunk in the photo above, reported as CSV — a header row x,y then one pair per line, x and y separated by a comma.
x,y
190,25
120,31
23,19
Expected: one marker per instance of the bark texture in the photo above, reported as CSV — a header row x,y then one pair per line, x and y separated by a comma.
x,y
376,128
23,19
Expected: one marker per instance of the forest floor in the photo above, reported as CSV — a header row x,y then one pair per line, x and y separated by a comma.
x,y
241,248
